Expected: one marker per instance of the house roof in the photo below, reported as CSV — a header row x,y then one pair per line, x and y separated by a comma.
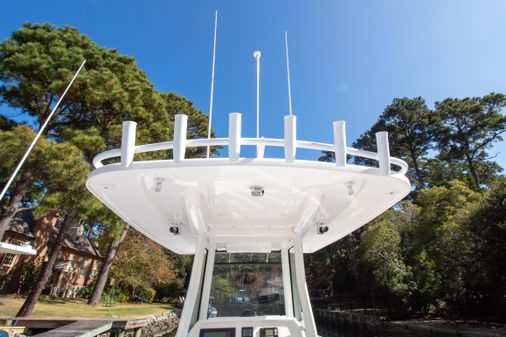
x,y
81,243
24,223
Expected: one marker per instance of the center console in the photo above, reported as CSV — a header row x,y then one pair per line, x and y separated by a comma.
x,y
265,326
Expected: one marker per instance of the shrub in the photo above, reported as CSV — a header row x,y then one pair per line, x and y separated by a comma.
x,y
145,294
170,290
85,292
107,299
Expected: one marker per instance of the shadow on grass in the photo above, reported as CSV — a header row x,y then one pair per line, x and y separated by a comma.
x,y
52,301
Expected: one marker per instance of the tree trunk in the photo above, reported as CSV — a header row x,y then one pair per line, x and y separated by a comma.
x,y
114,247
47,270
14,200
474,171
418,172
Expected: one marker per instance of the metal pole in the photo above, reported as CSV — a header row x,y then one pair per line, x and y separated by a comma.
x,y
257,55
41,130
212,85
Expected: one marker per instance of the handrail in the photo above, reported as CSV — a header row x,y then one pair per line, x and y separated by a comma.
x,y
234,142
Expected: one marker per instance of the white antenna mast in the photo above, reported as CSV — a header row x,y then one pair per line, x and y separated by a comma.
x,y
256,55
288,73
209,124
41,130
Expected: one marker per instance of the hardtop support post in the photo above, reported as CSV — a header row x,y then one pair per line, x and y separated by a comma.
x,y
208,278
307,311
193,288
287,284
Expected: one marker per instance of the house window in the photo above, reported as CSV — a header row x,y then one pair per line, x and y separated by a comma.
x,y
84,268
9,259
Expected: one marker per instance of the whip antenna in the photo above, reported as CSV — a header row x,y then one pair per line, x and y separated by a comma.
x,y
288,73
41,130
209,124
256,55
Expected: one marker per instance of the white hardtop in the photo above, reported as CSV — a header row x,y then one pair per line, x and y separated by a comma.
x,y
247,204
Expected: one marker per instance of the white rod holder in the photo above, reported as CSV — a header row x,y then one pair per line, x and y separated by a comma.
x,y
383,150
128,143
234,135
340,142
290,137
180,125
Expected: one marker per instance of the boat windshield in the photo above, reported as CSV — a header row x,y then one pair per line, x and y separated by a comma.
x,y
247,284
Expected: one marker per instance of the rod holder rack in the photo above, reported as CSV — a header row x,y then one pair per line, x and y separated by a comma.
x,y
235,141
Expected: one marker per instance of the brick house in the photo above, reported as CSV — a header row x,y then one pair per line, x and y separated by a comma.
x,y
77,265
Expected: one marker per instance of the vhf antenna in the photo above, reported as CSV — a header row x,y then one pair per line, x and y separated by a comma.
x,y
288,73
256,55
209,124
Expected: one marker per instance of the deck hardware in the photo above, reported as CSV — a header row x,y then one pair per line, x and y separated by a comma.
x,y
349,188
158,183
257,190
174,230
322,229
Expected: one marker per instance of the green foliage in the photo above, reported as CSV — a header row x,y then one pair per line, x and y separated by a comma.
x,y
141,263
108,299
487,272
29,274
6,124
380,246
14,143
171,290
409,124
85,291
146,293
443,252
221,289
442,255
467,128
38,61
450,142
428,282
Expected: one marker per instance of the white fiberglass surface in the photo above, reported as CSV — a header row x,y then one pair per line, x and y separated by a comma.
x,y
247,201
246,285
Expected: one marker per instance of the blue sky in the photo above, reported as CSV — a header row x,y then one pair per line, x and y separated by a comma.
x,y
349,59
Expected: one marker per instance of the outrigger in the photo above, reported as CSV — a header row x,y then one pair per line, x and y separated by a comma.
x,y
247,220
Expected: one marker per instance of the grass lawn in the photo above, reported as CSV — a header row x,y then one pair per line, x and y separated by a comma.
x,y
57,307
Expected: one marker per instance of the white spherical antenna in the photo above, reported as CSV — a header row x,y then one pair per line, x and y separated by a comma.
x,y
257,54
